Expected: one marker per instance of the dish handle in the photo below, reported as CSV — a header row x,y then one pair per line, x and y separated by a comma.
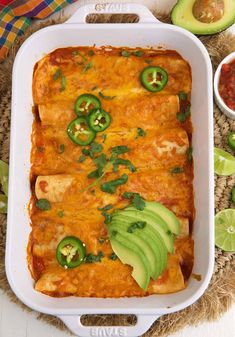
x,y
144,322
144,14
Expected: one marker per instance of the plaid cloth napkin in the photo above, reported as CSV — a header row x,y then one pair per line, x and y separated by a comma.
x,y
16,16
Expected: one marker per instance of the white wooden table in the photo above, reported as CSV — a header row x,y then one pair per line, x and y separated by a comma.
x,y
14,322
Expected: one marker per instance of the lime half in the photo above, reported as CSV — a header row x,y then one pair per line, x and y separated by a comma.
x,y
224,162
225,230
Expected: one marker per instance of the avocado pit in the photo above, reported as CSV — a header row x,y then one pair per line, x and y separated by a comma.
x,y
208,11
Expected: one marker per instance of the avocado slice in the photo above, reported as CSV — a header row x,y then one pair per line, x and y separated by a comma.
x,y
192,14
130,254
155,221
166,215
149,235
141,244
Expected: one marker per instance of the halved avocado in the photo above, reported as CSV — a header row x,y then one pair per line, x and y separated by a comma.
x,y
139,241
129,254
156,222
204,16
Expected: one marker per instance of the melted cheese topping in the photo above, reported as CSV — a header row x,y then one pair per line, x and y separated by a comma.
x,y
61,178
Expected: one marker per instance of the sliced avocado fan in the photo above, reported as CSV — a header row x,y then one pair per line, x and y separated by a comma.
x,y
204,17
143,239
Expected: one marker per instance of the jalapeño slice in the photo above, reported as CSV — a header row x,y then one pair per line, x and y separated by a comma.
x,y
153,78
79,131
99,120
85,103
70,252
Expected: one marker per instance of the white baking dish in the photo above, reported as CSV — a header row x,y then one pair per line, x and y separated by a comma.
x,y
75,32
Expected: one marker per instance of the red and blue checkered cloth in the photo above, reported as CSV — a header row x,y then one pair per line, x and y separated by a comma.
x,y
16,16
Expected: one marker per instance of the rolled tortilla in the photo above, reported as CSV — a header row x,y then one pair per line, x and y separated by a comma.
x,y
53,188
114,75
145,110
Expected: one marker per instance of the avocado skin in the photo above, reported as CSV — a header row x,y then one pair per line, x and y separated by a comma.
x,y
183,8
130,254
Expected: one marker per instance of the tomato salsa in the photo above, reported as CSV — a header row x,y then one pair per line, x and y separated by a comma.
x,y
227,84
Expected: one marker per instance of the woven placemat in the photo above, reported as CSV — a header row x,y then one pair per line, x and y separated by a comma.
x,y
221,292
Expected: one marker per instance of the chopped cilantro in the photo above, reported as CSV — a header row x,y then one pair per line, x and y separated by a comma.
x,y
138,201
182,96
91,258
136,225
88,153
125,53
114,233
63,83
107,217
138,53
177,169
190,154
61,148
100,163
96,147
101,240
40,149
140,132
57,74
43,204
113,256
105,96
93,174
112,185
106,208
184,113
91,52
60,214
148,61
81,159
87,66
119,161
120,149
104,136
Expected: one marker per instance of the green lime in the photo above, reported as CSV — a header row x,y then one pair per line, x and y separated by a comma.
x,y
4,176
224,162
3,203
231,140
225,230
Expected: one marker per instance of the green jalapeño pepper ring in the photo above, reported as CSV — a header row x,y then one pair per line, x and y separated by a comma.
x,y
79,132
85,103
70,252
153,78
99,120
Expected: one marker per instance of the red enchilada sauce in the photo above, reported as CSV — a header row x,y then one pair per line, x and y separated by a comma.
x,y
227,84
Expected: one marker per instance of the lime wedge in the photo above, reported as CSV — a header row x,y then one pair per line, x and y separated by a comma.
x,y
4,176
225,230
3,203
224,162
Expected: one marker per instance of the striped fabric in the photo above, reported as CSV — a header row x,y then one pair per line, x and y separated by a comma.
x,y
16,16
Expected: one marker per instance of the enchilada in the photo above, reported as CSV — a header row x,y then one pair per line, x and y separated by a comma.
x,y
154,129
